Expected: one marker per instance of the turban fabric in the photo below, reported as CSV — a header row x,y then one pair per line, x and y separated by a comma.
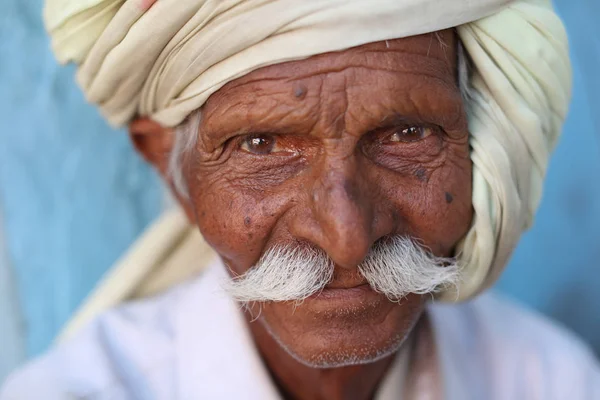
x,y
163,59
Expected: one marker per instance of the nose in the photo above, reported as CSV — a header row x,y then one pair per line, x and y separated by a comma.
x,y
343,220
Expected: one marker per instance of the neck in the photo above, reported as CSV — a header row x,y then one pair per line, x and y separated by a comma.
x,y
300,382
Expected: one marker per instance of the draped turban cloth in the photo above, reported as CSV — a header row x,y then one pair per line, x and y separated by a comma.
x,y
163,59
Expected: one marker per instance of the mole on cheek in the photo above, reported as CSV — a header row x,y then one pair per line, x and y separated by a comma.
x,y
247,221
300,91
449,198
421,174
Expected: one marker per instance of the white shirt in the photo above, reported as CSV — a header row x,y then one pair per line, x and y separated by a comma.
x,y
192,343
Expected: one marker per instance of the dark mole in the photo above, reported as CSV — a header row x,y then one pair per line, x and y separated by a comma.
x,y
421,174
449,198
350,190
203,214
247,221
300,91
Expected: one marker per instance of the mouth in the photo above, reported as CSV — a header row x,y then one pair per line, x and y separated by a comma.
x,y
332,293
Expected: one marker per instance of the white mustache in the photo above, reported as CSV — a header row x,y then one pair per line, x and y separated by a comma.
x,y
394,267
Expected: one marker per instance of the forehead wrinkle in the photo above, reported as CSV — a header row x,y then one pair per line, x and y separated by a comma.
x,y
333,104
401,63
235,102
419,45
319,113
269,91
373,55
266,114
429,101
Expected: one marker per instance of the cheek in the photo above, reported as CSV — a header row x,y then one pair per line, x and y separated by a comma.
x,y
436,203
450,193
235,222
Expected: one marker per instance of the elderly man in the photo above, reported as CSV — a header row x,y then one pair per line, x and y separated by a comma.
x,y
348,161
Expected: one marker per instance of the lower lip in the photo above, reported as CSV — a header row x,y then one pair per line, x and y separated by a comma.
x,y
358,292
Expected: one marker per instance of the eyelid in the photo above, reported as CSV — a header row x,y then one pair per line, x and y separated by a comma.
x,y
232,142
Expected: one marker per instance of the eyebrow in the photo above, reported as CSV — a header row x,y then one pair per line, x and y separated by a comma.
x,y
396,119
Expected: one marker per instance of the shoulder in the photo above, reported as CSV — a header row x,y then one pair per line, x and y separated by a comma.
x,y
123,351
516,352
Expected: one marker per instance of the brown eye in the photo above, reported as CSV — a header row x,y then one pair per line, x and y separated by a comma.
x,y
410,134
258,144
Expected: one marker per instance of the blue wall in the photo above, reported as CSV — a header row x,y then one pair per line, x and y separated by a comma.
x,y
556,267
74,195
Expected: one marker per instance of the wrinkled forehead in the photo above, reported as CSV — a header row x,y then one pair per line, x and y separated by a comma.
x,y
436,51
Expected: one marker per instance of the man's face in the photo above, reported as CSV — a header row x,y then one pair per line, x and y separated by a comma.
x,y
337,152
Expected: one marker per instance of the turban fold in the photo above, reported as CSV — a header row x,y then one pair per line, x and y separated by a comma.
x,y
163,59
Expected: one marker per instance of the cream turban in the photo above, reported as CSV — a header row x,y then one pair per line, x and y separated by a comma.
x,y
164,58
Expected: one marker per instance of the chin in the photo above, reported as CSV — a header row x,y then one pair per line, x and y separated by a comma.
x,y
331,331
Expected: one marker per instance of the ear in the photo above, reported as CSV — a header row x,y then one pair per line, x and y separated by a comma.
x,y
155,143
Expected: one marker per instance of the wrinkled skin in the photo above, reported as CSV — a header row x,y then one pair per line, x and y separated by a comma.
x,y
336,151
